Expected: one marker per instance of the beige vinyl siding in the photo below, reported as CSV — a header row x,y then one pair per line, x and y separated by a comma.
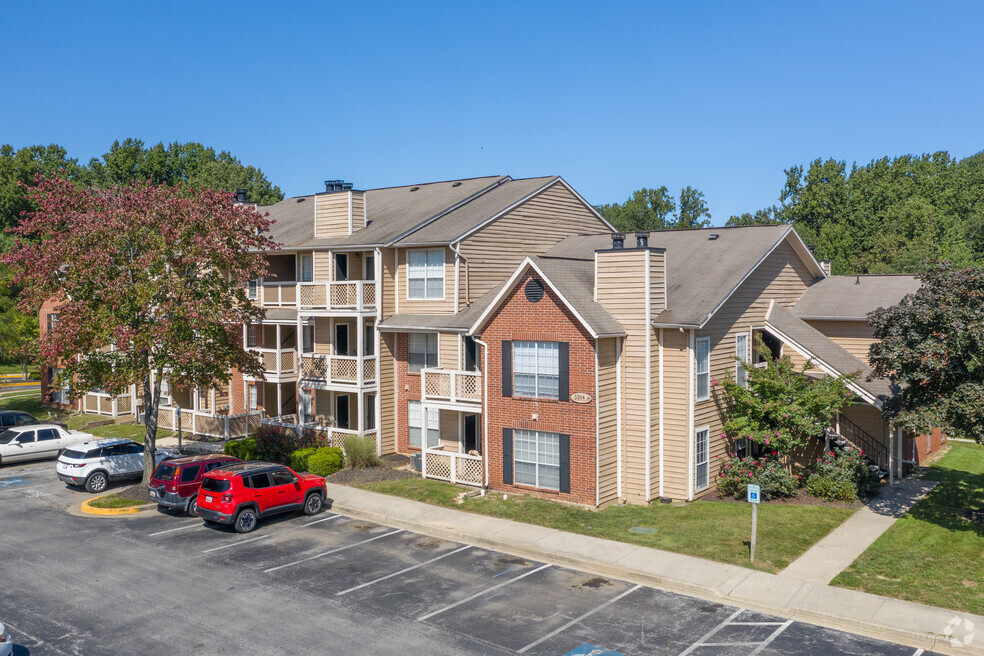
x,y
783,276
358,210
621,276
447,350
324,335
607,421
493,253
388,283
855,337
657,282
449,431
869,419
426,306
322,266
331,215
387,392
676,412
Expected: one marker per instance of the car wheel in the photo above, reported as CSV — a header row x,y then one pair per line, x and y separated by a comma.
x,y
245,520
313,503
193,506
96,482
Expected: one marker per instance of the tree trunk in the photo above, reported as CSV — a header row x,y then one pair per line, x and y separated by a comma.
x,y
152,399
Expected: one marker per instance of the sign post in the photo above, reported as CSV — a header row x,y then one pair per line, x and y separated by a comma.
x,y
177,412
754,494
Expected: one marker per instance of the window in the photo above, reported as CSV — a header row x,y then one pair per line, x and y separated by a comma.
x,y
701,450
341,267
537,458
165,392
253,291
369,409
281,477
257,481
190,474
253,400
536,369
24,419
741,352
217,484
47,434
422,352
52,320
307,339
370,267
471,354
307,268
425,274
27,437
341,339
414,420
703,368
369,339
251,335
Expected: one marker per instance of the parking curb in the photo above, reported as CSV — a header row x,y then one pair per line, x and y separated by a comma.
x,y
132,510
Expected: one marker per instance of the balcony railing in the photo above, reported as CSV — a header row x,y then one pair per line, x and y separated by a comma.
x,y
341,369
354,295
203,423
452,386
277,362
450,466
333,436
99,403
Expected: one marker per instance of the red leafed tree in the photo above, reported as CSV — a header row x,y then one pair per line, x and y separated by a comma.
x,y
150,281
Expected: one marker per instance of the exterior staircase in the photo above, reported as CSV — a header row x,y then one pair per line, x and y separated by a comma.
x,y
853,437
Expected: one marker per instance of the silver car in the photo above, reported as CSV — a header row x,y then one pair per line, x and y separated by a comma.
x,y
32,442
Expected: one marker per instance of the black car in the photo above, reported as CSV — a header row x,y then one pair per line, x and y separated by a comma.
x,y
10,418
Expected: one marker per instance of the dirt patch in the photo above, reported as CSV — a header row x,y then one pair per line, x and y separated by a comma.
x,y
506,561
594,583
800,498
137,491
394,467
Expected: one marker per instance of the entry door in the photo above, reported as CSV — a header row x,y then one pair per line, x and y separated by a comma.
x,y
342,411
25,449
473,434
341,339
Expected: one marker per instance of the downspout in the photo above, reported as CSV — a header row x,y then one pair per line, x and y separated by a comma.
x,y
457,274
485,409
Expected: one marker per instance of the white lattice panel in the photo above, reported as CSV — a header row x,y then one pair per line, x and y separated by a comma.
x,y
269,360
437,383
438,465
207,425
468,470
287,360
344,369
369,294
105,405
313,296
468,387
343,294
124,405
369,370
314,367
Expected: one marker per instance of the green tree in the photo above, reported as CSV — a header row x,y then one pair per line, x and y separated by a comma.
x,y
931,347
18,329
693,210
646,209
18,168
765,216
193,164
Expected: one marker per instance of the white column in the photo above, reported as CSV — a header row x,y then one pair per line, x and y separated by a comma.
x,y
891,446
279,402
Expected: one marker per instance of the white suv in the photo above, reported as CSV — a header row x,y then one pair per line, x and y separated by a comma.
x,y
95,464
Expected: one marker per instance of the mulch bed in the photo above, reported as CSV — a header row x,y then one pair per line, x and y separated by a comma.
x,y
394,467
800,498
138,491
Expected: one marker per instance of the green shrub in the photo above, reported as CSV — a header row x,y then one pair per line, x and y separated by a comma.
x,y
768,473
842,477
242,449
360,451
326,461
299,458
820,486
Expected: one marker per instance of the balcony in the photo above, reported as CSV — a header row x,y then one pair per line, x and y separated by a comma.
x,y
100,403
348,370
348,296
452,389
278,364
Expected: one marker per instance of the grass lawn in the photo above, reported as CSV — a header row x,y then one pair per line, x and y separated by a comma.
x,y
115,501
134,432
31,403
709,529
933,554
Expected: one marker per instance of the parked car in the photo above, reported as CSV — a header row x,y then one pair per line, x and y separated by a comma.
x,y
94,464
6,642
242,494
175,483
10,418
35,441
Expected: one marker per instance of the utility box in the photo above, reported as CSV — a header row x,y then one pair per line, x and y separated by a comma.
x,y
416,461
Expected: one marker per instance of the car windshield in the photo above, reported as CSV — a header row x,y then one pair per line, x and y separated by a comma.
x,y
165,472
215,484
7,436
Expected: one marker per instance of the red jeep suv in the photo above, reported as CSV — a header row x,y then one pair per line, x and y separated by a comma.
x,y
242,493
174,484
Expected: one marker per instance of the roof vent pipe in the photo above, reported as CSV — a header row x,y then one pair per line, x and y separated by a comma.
x,y
618,241
642,240
240,195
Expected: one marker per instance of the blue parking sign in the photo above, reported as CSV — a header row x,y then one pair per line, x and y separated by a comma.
x,y
753,493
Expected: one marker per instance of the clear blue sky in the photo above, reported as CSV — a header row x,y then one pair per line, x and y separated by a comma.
x,y
613,96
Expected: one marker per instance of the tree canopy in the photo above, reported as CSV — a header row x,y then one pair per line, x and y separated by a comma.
x,y
651,209
155,272
931,345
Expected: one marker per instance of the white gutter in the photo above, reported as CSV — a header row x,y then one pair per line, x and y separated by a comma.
x,y
485,410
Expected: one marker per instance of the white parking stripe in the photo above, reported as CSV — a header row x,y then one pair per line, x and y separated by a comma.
x,y
707,635
578,619
318,521
328,553
768,641
236,544
918,652
479,594
180,528
402,571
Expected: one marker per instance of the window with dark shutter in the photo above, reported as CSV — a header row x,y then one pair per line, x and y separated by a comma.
x,y
565,463
507,456
564,371
506,368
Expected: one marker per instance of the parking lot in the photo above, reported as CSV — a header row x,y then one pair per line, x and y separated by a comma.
x,y
333,584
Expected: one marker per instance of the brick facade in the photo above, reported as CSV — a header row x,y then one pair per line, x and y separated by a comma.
x,y
547,320
407,389
923,448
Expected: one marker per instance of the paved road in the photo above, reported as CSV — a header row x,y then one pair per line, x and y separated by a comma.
x,y
159,583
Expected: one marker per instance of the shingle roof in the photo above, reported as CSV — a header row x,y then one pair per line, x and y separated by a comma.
x,y
700,272
574,280
853,297
825,351
461,321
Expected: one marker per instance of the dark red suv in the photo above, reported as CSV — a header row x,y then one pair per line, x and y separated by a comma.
x,y
175,483
241,494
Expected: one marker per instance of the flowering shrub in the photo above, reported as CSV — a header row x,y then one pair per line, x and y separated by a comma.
x,y
768,473
274,444
841,477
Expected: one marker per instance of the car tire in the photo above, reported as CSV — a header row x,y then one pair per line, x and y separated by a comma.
x,y
192,507
245,520
96,482
313,503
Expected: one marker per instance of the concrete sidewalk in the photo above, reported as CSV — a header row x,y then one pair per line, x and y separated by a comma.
x,y
841,547
921,626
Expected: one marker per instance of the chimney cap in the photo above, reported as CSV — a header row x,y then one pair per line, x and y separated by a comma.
x,y
240,195
618,241
642,239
